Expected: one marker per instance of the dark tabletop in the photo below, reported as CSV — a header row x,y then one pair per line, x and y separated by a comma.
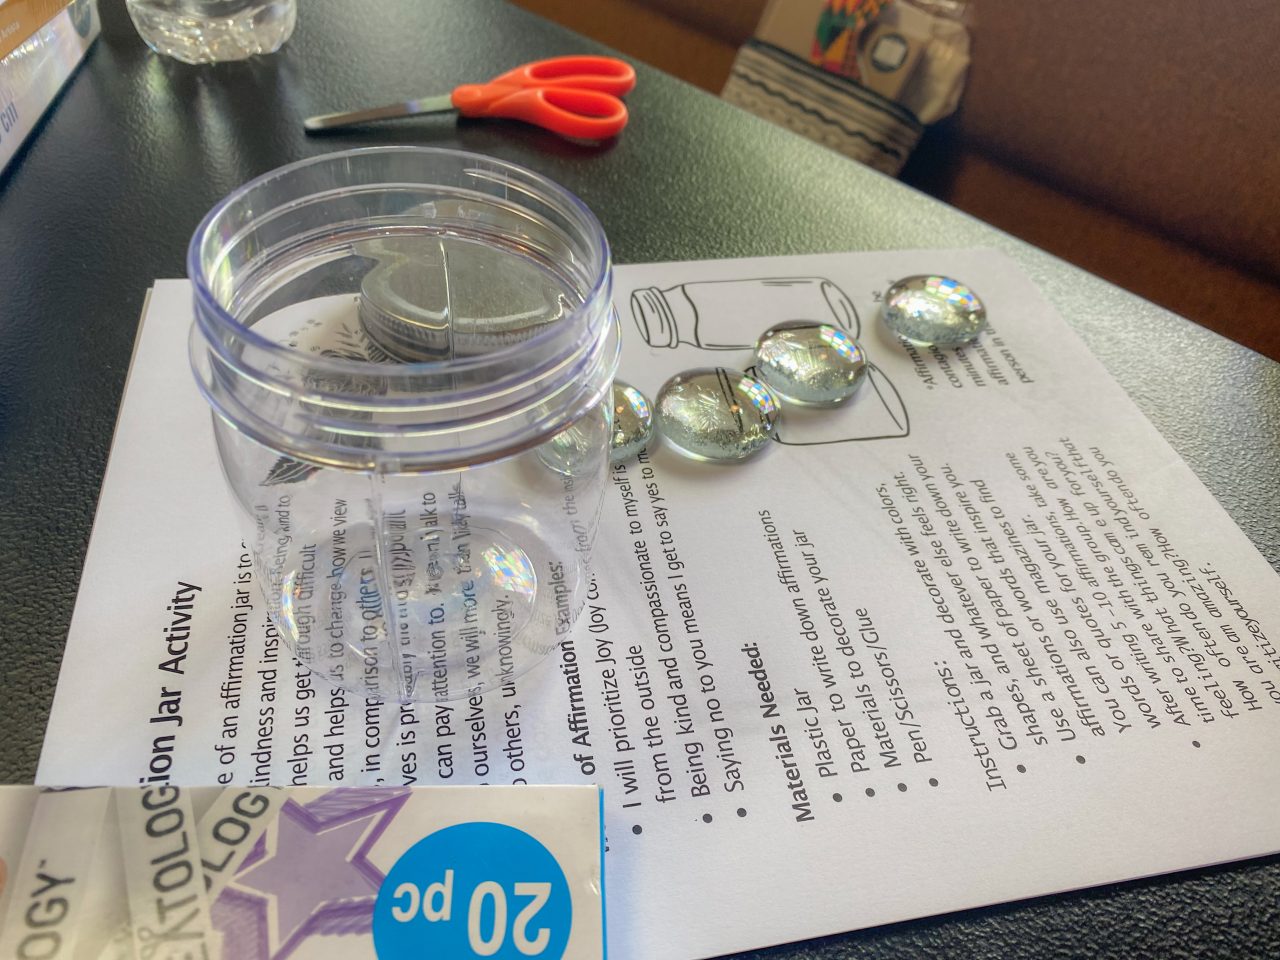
x,y
104,196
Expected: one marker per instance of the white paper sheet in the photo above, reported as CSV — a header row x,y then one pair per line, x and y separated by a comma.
x,y
981,636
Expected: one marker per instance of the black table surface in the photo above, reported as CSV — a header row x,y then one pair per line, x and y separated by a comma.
x,y
104,196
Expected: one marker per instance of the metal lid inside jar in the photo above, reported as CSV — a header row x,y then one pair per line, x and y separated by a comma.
x,y
437,298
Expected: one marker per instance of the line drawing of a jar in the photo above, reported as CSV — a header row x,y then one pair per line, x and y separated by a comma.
x,y
708,314
876,412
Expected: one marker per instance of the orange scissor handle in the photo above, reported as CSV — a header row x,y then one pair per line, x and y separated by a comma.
x,y
585,72
568,111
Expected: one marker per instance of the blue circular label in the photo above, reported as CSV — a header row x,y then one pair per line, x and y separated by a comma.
x,y
474,890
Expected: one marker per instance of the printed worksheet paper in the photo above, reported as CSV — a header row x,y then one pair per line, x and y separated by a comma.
x,y
978,635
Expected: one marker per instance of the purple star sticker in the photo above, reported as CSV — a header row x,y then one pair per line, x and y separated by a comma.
x,y
318,881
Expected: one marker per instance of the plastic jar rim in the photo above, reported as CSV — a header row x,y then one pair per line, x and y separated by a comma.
x,y
219,317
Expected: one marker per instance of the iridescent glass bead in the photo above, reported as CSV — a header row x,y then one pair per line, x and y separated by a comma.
x,y
568,452
716,414
936,311
816,364
632,422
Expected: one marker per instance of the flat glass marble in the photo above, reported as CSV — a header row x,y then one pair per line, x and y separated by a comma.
x,y
716,414
574,451
632,422
568,452
809,363
579,449
934,311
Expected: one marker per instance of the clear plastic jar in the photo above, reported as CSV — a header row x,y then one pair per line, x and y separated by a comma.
x,y
408,354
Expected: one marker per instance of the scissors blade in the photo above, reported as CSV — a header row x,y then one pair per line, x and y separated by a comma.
x,y
407,108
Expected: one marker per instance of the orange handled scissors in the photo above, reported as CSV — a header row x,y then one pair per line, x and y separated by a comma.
x,y
575,96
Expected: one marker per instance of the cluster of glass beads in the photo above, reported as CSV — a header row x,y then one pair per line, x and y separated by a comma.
x,y
723,416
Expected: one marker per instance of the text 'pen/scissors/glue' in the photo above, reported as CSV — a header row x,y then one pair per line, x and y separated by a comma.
x,y
575,96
